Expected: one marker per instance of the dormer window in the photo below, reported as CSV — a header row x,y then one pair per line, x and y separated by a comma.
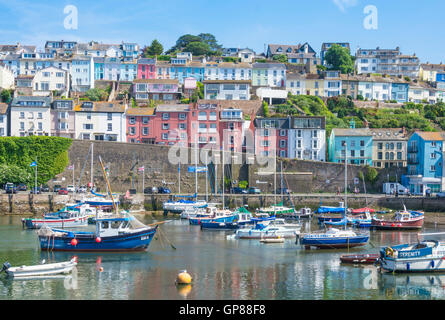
x,y
280,49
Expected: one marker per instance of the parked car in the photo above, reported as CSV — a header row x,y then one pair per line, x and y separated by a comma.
x,y
35,190
164,190
63,191
283,190
70,188
150,190
82,189
22,187
253,190
238,190
44,188
57,187
10,188
440,195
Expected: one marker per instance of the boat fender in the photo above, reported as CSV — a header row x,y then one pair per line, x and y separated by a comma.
x,y
389,252
407,266
74,242
98,239
432,263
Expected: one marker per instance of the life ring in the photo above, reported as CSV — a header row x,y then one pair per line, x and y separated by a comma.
x,y
389,252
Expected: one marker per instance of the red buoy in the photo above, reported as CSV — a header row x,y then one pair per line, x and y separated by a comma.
x,y
98,239
74,242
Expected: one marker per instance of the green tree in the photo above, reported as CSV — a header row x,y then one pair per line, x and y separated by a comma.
x,y
371,174
13,173
96,94
197,48
211,41
280,58
6,96
198,93
265,109
155,49
339,58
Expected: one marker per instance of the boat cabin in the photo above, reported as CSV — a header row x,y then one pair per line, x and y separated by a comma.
x,y
109,227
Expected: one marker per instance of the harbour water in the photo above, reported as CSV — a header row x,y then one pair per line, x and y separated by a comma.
x,y
221,268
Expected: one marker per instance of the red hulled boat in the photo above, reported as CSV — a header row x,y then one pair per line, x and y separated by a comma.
x,y
401,220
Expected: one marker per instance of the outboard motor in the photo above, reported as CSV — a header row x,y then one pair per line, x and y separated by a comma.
x,y
6,266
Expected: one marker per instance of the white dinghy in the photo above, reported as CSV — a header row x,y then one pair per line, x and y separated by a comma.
x,y
39,270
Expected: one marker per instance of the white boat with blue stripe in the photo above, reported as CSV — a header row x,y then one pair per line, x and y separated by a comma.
x,y
423,256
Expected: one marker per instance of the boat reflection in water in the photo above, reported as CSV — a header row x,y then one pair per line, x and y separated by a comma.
x,y
417,286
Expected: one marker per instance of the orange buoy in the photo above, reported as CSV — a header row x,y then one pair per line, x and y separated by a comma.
x,y
74,242
184,277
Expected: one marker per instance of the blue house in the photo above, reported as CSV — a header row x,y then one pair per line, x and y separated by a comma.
x,y
425,162
399,92
358,144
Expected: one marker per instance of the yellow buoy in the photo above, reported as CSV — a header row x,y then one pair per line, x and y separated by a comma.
x,y
184,278
184,290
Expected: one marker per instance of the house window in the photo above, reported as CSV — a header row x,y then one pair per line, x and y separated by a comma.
x,y
132,120
109,116
165,126
165,116
144,120
433,168
145,131
110,127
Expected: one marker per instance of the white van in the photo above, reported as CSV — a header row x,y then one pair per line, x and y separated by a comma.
x,y
393,188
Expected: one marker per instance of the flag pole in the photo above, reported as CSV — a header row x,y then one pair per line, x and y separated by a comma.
x,y
35,185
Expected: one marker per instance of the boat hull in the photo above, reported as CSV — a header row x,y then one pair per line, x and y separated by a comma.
x,y
41,270
257,234
199,220
334,242
426,264
219,225
397,225
138,241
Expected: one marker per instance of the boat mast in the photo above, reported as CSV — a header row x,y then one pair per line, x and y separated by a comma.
x,y
92,155
346,183
196,167
223,178
108,184
275,181
207,177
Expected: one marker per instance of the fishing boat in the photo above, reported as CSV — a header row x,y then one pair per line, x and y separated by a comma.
x,y
277,209
179,206
362,221
265,230
369,258
423,256
402,220
333,238
243,218
40,270
99,201
69,217
112,234
218,215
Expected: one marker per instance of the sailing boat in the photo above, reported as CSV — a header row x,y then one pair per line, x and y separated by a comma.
x,y
97,200
181,205
277,208
334,238
121,233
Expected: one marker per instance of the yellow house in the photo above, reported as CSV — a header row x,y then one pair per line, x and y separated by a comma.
x,y
314,85
428,72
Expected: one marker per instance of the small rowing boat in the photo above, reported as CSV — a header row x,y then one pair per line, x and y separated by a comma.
x,y
360,258
39,270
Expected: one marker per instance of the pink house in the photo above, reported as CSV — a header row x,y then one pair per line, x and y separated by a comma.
x,y
140,125
204,125
146,68
171,124
231,123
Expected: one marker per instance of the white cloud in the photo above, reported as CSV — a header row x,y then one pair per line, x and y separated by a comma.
x,y
343,4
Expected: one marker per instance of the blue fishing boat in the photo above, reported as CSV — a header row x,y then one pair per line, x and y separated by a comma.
x,y
217,216
112,234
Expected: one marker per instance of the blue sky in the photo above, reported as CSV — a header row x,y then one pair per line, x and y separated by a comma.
x,y
414,27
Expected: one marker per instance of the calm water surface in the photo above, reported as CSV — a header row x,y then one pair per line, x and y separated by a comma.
x,y
221,269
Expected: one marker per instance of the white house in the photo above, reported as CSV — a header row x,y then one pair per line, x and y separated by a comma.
x,y
100,121
30,115
228,71
227,89
307,138
332,83
296,83
375,90
82,73
50,80
6,77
